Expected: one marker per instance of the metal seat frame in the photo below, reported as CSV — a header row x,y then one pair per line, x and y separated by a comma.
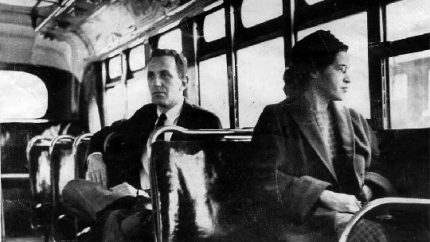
x,y
229,134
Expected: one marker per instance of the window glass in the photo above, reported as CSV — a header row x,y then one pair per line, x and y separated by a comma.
x,y
137,93
214,87
312,2
22,95
137,58
356,38
214,26
256,11
115,103
260,70
171,40
408,18
115,67
410,90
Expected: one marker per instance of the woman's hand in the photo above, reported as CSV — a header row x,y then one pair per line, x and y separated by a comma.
x,y
340,202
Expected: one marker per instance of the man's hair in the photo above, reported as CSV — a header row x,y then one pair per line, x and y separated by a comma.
x,y
314,52
180,60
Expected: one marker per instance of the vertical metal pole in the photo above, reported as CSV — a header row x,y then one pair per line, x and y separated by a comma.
x,y
288,15
3,231
231,65
377,67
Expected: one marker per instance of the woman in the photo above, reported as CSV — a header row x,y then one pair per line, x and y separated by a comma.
x,y
314,153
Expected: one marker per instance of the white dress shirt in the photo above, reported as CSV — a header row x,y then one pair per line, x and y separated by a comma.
x,y
172,116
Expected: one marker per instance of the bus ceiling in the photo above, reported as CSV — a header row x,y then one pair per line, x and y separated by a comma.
x,y
59,32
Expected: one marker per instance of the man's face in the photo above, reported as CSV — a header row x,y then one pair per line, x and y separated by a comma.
x,y
334,81
164,84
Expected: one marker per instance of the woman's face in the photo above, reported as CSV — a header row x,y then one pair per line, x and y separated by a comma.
x,y
334,80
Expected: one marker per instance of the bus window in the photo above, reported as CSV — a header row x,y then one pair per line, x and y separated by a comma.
x,y
408,18
260,70
137,93
410,90
115,103
214,26
22,95
137,58
256,11
214,87
356,38
115,67
171,40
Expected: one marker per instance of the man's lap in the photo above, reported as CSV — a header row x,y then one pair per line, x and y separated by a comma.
x,y
87,198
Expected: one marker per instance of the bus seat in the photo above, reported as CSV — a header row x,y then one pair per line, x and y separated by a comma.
x,y
40,181
120,149
63,168
69,156
409,218
205,191
406,156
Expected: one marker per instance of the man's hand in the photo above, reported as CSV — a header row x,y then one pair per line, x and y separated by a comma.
x,y
96,169
124,189
340,202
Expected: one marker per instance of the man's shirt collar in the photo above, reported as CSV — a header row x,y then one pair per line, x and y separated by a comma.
x,y
173,113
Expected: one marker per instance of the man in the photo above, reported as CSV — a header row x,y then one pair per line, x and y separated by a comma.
x,y
167,80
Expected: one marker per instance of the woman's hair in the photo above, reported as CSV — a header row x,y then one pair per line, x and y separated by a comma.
x,y
314,52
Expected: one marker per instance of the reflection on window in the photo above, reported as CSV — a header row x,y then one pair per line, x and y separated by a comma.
x,y
260,70
257,11
410,90
214,26
22,95
137,93
214,88
115,67
171,40
137,58
114,103
312,2
356,38
408,18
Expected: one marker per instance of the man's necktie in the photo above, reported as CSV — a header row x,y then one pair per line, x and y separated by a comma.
x,y
160,122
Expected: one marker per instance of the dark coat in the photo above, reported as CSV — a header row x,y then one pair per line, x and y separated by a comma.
x,y
137,130
294,166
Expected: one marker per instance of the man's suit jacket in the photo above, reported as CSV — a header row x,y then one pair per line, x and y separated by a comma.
x,y
127,165
294,165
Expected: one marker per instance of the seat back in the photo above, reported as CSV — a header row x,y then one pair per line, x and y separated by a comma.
x,y
121,157
62,165
39,165
406,156
205,191
80,153
408,218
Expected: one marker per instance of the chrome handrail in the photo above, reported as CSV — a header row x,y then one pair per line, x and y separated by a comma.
x,y
80,139
377,203
153,179
58,139
76,143
45,142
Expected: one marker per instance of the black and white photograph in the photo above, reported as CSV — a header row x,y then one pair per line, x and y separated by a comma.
x,y
215,120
